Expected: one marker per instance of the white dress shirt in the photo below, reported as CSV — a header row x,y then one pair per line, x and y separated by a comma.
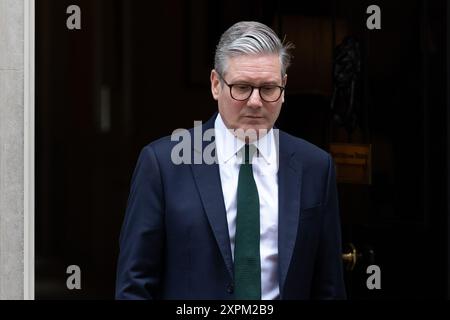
x,y
265,170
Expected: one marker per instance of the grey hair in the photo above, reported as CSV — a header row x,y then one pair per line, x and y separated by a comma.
x,y
250,38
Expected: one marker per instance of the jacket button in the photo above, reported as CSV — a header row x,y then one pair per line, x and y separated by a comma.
x,y
230,288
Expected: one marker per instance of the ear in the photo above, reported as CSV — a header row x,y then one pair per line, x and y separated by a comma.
x,y
284,85
215,84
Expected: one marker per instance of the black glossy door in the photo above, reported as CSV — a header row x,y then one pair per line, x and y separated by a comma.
x,y
398,222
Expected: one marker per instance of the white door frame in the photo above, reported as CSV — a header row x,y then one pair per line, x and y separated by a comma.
x,y
29,156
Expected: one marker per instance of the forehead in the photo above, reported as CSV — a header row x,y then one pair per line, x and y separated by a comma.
x,y
263,67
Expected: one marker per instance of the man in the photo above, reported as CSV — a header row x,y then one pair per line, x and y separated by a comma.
x,y
259,222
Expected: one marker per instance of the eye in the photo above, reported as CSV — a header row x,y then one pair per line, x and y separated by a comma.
x,y
269,89
242,87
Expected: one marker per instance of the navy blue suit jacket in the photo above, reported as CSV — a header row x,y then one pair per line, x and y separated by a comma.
x,y
175,244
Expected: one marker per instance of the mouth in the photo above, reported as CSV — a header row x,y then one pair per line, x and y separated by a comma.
x,y
253,117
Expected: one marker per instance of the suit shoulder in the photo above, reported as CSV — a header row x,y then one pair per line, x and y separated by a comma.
x,y
163,147
304,149
160,148
161,143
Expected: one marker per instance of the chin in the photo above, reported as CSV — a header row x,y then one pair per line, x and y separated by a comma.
x,y
249,128
259,127
254,123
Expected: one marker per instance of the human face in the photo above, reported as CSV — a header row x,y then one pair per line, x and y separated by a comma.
x,y
253,113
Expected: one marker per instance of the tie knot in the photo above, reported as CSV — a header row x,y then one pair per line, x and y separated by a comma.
x,y
248,151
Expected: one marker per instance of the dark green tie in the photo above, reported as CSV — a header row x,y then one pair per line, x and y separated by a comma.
x,y
247,265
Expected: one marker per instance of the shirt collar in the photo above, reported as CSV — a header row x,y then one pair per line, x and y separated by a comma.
x,y
227,144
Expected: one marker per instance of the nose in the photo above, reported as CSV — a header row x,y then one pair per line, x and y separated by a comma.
x,y
255,99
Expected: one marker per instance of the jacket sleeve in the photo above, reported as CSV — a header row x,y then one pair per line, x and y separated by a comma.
x,y
140,261
328,282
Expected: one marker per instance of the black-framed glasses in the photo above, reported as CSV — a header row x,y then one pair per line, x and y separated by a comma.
x,y
243,91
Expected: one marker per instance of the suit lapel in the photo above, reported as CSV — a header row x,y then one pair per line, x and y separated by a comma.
x,y
207,178
289,188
